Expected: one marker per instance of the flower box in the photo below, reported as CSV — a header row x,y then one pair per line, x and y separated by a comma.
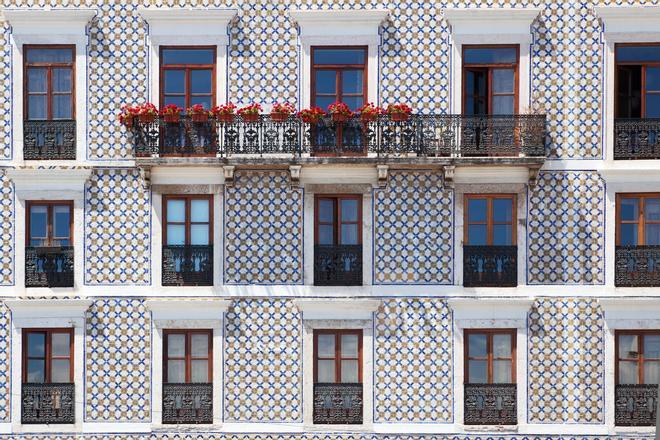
x,y
171,118
399,117
250,117
199,118
279,117
146,118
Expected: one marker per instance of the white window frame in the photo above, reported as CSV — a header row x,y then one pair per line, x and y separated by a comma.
x,y
59,313
49,26
339,28
176,314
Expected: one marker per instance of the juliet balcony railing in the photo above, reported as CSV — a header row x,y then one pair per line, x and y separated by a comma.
x,y
49,140
635,405
337,403
338,265
490,404
188,265
47,403
636,139
637,266
187,403
490,266
49,266
421,135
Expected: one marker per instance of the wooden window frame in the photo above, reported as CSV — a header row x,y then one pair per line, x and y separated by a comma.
x,y
640,359
187,224
489,352
643,65
338,68
641,219
48,351
337,358
489,68
489,217
188,358
337,220
49,204
187,94
49,83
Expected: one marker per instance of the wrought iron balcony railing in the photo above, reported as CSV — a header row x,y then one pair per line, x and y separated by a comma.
x,y
490,404
637,266
490,266
188,265
49,266
338,265
49,140
47,403
337,403
635,405
187,403
420,135
636,139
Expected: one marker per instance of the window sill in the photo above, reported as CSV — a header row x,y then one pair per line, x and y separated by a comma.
x,y
490,428
159,427
339,428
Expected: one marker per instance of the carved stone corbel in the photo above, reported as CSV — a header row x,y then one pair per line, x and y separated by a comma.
x,y
448,176
229,171
383,174
145,175
533,175
294,175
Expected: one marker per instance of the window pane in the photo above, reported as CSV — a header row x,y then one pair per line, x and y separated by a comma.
x,y
477,345
652,234
503,80
36,344
50,55
326,371
349,210
176,345
61,344
490,55
199,235
37,107
199,210
637,53
503,105
652,346
349,234
179,101
629,209
205,101
351,81
176,235
38,221
176,371
653,105
61,80
475,83
339,56
326,234
652,372
60,371
37,80
628,234
326,210
477,372
174,81
502,235
201,81
628,373
188,56
349,345
628,346
326,346
324,101
353,102
652,78
502,210
199,371
501,371
477,235
477,209
62,107
326,81
176,211
652,209
61,221
502,345
36,371
199,345
349,371
629,92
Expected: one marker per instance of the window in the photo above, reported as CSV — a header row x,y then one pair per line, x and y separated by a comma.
x,y
188,220
637,80
187,356
490,80
50,224
338,220
638,359
188,76
49,83
48,356
490,220
490,356
339,74
638,219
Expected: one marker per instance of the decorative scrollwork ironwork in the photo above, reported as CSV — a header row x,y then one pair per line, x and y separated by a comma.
x,y
490,266
338,403
490,404
48,403
49,266
637,266
635,405
187,403
188,265
338,265
49,140
636,139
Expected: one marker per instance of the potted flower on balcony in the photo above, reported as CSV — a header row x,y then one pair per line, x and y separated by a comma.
x,y
281,112
198,113
171,113
311,115
369,112
224,113
339,111
399,112
147,112
127,115
250,113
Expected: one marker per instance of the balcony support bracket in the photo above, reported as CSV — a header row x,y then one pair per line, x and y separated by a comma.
x,y
383,174
145,176
448,176
228,171
533,175
294,175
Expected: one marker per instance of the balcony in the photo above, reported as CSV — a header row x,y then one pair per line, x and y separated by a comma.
x,y
637,266
49,140
636,139
49,266
490,404
635,405
338,265
188,265
187,403
490,266
337,403
441,136
47,403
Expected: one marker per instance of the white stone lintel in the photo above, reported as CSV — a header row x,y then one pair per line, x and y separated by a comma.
x,y
48,308
490,308
630,308
473,21
629,19
29,182
188,21
48,21
331,308
167,175
339,22
187,309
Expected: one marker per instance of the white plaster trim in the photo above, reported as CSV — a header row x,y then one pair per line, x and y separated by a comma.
x,y
337,309
187,309
30,182
491,175
188,21
114,427
630,308
629,19
490,20
490,308
627,171
187,176
62,21
338,175
338,22
47,308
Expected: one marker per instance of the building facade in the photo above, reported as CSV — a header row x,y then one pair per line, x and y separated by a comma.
x,y
485,265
